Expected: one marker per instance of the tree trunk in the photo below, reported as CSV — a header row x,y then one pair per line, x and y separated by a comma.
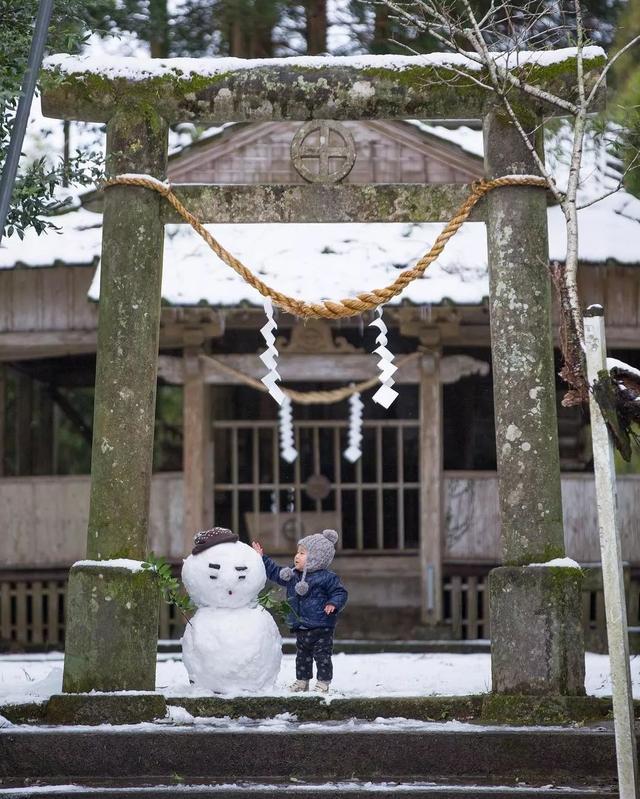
x,y
158,29
316,32
381,30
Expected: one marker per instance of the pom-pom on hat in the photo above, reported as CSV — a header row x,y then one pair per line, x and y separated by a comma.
x,y
321,549
209,538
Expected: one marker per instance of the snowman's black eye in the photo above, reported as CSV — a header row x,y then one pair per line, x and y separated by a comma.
x,y
214,565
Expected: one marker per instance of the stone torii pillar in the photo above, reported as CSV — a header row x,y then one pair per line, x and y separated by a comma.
x,y
113,606
536,633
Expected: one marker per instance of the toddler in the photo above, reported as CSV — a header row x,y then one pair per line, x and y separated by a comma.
x,y
316,596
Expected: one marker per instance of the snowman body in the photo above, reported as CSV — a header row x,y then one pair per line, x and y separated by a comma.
x,y
232,643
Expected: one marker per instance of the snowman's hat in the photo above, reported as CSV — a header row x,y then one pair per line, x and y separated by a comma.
x,y
209,538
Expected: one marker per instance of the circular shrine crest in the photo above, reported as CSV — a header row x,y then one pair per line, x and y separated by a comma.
x,y
323,151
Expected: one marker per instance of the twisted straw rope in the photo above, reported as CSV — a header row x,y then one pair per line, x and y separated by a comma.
x,y
350,306
328,397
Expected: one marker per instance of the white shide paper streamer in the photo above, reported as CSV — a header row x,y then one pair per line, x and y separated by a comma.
x,y
285,415
385,395
354,450
270,356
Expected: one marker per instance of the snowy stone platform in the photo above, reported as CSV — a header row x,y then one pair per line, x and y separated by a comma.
x,y
397,724
35,677
418,687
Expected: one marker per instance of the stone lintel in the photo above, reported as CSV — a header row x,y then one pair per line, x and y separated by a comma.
x,y
319,89
314,203
537,643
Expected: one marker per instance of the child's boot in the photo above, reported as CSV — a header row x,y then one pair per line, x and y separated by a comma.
x,y
322,687
299,685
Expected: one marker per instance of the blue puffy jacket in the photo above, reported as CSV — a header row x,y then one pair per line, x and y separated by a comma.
x,y
324,588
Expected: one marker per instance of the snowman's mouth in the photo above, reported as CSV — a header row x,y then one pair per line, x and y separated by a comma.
x,y
230,592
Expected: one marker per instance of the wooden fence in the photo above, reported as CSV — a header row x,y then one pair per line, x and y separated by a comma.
x,y
32,608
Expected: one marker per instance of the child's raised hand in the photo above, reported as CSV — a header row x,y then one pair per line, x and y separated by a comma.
x,y
258,547
329,609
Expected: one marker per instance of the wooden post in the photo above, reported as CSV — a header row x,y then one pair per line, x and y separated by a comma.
x,y
24,418
112,613
431,485
43,444
612,571
3,416
197,450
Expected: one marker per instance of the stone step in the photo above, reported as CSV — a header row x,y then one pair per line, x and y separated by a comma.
x,y
317,752
361,789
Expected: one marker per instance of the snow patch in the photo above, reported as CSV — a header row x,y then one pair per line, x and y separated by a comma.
x,y
136,69
113,563
614,363
564,563
390,674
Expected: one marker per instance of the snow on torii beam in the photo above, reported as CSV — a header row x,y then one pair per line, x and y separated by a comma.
x,y
211,90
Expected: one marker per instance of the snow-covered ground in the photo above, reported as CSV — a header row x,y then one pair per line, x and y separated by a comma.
x,y
28,678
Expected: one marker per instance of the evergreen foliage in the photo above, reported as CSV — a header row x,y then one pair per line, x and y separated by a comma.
x,y
34,191
625,100
173,593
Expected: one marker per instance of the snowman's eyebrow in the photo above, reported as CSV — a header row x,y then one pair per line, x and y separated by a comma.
x,y
241,568
214,565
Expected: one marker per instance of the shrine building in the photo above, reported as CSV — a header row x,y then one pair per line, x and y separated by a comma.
x,y
418,512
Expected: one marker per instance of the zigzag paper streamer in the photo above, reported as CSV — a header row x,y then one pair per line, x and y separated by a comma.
x,y
270,356
385,395
354,451
285,415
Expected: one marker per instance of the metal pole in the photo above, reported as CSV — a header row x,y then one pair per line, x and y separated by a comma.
x,y
611,555
10,168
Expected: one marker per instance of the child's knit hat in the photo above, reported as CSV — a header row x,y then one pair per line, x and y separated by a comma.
x,y
321,549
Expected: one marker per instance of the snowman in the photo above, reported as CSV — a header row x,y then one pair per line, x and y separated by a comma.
x,y
232,643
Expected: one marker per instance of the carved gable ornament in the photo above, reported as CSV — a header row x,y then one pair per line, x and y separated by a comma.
x,y
323,151
314,336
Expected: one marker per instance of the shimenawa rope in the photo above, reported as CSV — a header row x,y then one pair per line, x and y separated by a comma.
x,y
327,397
350,306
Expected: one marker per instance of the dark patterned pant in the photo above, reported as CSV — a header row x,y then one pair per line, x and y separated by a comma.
x,y
314,645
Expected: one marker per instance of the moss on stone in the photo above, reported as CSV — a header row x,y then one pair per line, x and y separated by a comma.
x,y
544,710
294,92
105,708
112,624
490,708
24,713
318,708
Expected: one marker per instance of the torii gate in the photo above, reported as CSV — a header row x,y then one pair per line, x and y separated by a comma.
x,y
112,610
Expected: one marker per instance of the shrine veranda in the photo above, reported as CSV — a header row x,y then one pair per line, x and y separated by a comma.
x,y
111,641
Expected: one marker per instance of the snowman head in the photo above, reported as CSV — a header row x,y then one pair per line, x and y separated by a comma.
x,y
223,575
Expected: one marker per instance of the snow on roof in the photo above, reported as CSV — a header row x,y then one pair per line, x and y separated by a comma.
x,y
468,139
319,261
136,69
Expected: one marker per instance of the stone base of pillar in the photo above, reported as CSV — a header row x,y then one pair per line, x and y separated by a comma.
x,y
537,644
112,629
